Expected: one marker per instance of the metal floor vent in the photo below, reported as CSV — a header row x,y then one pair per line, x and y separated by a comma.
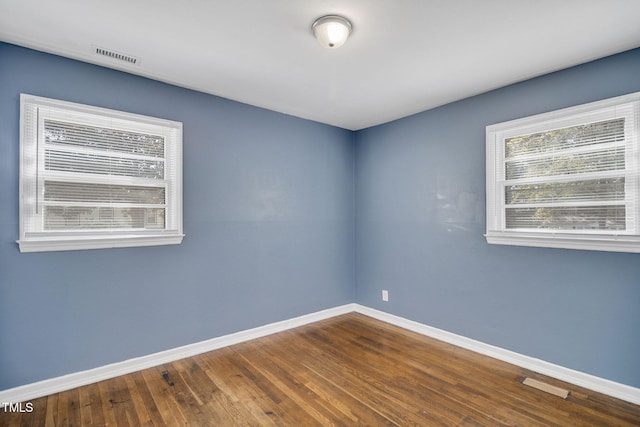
x,y
117,56
557,391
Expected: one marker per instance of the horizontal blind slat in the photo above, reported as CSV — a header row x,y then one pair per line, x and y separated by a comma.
x,y
87,217
589,190
103,165
611,218
597,161
86,192
114,140
601,132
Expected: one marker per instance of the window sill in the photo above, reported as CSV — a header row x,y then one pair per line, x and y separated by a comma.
x,y
45,244
610,243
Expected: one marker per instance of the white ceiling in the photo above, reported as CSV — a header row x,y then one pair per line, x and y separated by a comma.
x,y
404,56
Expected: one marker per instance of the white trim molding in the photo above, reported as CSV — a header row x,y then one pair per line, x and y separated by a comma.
x,y
591,382
615,243
84,168
537,197
78,379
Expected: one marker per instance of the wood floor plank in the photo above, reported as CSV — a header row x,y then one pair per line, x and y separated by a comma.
x,y
344,371
373,365
160,394
107,397
464,383
146,399
374,379
39,418
241,393
86,415
290,386
366,382
182,395
12,419
138,405
216,404
277,405
289,368
52,406
61,416
175,403
91,394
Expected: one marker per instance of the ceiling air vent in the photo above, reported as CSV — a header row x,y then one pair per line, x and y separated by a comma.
x,y
117,56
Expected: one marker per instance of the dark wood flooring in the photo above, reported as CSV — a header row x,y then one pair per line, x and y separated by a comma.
x,y
345,371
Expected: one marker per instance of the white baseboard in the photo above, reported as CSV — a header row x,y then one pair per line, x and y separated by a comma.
x,y
591,382
67,382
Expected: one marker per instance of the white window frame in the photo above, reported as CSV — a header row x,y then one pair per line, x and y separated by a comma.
x,y
33,235
627,240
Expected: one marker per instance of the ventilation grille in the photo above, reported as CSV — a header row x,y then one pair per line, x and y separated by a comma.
x,y
117,56
560,392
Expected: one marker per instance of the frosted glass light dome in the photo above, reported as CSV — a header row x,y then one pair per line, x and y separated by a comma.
x,y
331,31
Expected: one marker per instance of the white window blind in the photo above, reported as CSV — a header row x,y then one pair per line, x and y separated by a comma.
x,y
96,178
567,178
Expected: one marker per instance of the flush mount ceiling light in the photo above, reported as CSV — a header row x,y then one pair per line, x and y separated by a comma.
x,y
331,31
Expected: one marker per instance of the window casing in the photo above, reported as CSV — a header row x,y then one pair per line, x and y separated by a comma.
x,y
567,179
97,178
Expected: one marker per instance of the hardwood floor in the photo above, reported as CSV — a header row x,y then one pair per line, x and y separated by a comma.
x,y
348,370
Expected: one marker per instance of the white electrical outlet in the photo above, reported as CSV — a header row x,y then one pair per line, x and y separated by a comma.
x,y
385,295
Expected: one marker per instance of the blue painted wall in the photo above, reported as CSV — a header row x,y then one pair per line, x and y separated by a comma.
x,y
420,202
269,208
268,217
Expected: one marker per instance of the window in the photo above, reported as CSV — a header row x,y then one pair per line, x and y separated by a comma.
x,y
567,179
96,178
